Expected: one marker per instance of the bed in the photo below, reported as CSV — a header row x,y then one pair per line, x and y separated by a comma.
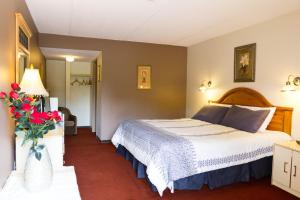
x,y
188,153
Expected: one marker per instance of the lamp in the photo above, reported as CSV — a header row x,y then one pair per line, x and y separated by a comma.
x,y
204,86
31,83
290,84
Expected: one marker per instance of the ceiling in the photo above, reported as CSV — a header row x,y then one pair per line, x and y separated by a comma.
x,y
61,54
174,22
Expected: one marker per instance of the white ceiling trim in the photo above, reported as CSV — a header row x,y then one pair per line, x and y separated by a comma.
x,y
173,22
61,54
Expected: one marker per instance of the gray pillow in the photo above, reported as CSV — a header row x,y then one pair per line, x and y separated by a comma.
x,y
211,114
244,119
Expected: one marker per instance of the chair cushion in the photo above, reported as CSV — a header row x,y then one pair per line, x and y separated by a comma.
x,y
69,123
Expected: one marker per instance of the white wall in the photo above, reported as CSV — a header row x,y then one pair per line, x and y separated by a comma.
x,y
80,96
56,80
277,56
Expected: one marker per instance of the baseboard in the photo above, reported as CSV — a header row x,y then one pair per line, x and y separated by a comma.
x,y
84,127
103,141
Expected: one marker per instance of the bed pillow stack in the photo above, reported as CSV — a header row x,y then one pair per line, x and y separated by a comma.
x,y
211,114
245,119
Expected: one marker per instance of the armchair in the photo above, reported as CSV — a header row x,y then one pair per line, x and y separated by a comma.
x,y
70,121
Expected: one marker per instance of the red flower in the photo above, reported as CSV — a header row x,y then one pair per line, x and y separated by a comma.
x,y
55,116
58,119
3,95
15,86
36,118
12,110
26,107
44,115
13,95
17,115
39,117
28,99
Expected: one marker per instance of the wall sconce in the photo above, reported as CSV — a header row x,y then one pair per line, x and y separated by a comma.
x,y
291,83
205,86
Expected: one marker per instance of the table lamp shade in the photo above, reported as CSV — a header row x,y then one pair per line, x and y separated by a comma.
x,y
32,84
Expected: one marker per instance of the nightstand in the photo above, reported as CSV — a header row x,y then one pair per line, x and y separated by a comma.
x,y
286,167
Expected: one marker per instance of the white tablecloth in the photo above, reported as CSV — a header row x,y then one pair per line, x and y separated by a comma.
x,y
64,187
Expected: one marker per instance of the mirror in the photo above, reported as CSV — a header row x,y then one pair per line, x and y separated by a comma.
x,y
22,64
23,35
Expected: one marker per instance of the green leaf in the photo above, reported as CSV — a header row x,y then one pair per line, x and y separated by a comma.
x,y
40,147
38,155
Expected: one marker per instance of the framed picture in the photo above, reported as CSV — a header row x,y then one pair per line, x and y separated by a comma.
x,y
244,63
144,77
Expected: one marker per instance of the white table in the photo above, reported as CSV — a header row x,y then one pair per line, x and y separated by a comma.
x,y
64,187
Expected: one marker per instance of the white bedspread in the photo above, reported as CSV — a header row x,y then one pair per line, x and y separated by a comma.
x,y
215,146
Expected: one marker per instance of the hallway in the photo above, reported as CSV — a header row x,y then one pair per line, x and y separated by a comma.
x,y
104,175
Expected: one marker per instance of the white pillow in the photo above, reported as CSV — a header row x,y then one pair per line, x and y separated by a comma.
x,y
221,104
268,119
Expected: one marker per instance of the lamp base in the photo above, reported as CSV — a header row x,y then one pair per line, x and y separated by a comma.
x,y
298,142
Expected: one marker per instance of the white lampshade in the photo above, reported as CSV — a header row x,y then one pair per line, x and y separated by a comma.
x,y
205,86
202,88
32,84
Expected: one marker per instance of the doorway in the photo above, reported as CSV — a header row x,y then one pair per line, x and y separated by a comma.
x,y
72,77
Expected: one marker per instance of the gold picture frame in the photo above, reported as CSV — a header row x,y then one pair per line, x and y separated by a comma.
x,y
144,77
22,51
244,63
99,72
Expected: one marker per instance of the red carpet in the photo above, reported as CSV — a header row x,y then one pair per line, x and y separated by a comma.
x,y
103,175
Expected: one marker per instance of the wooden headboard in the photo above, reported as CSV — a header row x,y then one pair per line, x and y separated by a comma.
x,y
282,119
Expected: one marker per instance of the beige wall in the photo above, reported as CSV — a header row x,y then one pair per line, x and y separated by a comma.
x,y
98,98
120,99
56,80
277,56
7,75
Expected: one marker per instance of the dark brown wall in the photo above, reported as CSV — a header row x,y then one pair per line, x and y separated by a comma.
x,y
120,98
7,74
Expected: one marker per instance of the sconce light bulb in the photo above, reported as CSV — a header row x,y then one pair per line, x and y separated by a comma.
x,y
70,59
202,88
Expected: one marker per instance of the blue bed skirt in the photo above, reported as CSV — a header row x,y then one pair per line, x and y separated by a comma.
x,y
214,179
